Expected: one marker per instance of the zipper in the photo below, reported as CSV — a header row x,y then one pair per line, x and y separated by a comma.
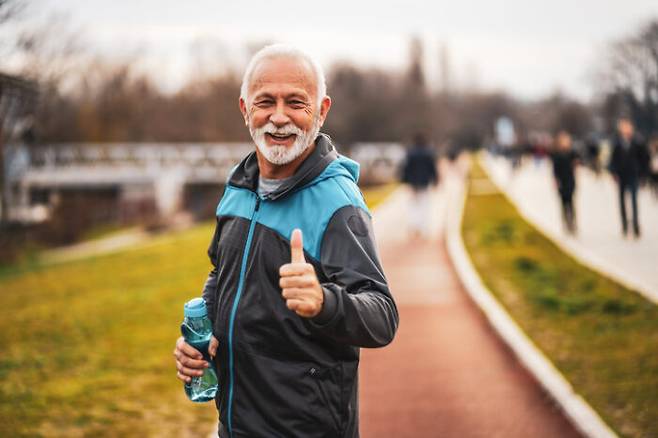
x,y
234,310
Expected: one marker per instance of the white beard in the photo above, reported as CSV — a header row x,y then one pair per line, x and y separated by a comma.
x,y
279,154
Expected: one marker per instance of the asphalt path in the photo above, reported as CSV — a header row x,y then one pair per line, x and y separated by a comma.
x,y
446,374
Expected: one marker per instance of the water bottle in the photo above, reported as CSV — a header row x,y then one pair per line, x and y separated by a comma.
x,y
197,330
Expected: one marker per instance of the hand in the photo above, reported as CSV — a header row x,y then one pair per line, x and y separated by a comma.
x,y
299,283
189,362
212,347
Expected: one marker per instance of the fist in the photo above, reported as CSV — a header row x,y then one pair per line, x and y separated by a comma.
x,y
299,283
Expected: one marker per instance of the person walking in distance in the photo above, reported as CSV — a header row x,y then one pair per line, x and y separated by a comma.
x,y
419,172
564,160
296,287
629,164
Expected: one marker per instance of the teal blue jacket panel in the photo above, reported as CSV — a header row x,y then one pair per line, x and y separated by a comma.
x,y
309,208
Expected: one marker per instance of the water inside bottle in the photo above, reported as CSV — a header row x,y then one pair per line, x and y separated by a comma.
x,y
197,331
202,388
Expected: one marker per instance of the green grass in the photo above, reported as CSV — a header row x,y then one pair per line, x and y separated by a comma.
x,y
102,232
376,194
602,336
87,345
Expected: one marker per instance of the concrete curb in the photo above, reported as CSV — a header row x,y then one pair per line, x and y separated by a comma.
x,y
579,252
579,412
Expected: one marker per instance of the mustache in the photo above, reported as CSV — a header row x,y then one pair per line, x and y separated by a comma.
x,y
288,129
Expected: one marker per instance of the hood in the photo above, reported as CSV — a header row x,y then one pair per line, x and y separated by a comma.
x,y
341,166
324,162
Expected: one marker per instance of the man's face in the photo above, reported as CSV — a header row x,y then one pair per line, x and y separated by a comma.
x,y
564,141
625,128
282,109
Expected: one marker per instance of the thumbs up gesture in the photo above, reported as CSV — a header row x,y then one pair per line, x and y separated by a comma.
x,y
299,283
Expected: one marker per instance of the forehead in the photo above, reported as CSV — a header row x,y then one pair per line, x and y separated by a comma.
x,y
283,74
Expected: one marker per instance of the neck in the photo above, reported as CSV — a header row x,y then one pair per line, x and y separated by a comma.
x,y
281,171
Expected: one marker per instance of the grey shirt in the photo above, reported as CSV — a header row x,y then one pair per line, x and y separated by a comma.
x,y
267,186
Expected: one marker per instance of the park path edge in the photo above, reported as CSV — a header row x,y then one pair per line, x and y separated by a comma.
x,y
577,410
581,254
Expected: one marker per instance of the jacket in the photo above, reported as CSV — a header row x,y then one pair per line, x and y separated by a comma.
x,y
630,164
419,167
563,171
282,375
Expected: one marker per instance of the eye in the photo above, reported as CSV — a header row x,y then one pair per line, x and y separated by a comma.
x,y
297,104
263,103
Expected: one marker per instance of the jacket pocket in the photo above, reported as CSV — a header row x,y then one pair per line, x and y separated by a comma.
x,y
327,383
275,397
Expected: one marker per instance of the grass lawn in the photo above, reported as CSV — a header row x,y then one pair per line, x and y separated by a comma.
x,y
602,336
376,194
86,345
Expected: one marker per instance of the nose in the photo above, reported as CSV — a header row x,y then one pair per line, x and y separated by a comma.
x,y
279,117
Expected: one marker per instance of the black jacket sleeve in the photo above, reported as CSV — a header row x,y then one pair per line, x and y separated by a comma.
x,y
210,286
358,307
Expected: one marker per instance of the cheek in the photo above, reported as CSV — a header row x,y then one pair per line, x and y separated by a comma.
x,y
258,117
304,119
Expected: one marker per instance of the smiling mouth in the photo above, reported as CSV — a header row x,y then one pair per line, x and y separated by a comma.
x,y
279,137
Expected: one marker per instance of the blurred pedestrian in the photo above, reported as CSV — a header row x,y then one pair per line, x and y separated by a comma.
x,y
629,164
539,152
516,152
592,151
564,160
419,171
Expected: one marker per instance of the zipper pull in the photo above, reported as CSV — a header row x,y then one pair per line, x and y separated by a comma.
x,y
257,203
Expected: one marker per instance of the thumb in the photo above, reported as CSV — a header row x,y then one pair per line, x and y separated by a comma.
x,y
297,247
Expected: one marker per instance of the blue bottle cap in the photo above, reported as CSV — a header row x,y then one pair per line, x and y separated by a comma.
x,y
195,308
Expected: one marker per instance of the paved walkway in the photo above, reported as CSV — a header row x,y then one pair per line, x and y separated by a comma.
x,y
599,242
446,374
113,242
105,245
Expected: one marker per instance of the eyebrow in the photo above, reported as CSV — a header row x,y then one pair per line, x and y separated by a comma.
x,y
293,95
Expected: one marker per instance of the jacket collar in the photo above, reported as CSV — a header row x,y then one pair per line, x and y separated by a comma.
x,y
246,173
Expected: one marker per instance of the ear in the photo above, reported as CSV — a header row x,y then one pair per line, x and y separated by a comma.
x,y
243,110
325,105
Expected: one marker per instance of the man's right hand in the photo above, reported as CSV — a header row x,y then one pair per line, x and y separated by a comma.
x,y
189,362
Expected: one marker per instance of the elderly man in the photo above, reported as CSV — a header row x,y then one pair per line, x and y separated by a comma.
x,y
629,164
296,286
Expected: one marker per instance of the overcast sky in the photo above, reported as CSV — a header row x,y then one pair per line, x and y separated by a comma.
x,y
527,47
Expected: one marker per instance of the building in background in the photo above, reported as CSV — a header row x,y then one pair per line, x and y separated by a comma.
x,y
18,98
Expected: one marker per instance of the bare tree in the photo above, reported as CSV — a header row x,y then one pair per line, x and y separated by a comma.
x,y
631,73
51,51
10,9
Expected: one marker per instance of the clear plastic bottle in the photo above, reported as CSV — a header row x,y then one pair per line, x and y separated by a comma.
x,y
197,330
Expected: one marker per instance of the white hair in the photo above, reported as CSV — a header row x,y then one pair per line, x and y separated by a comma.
x,y
283,51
